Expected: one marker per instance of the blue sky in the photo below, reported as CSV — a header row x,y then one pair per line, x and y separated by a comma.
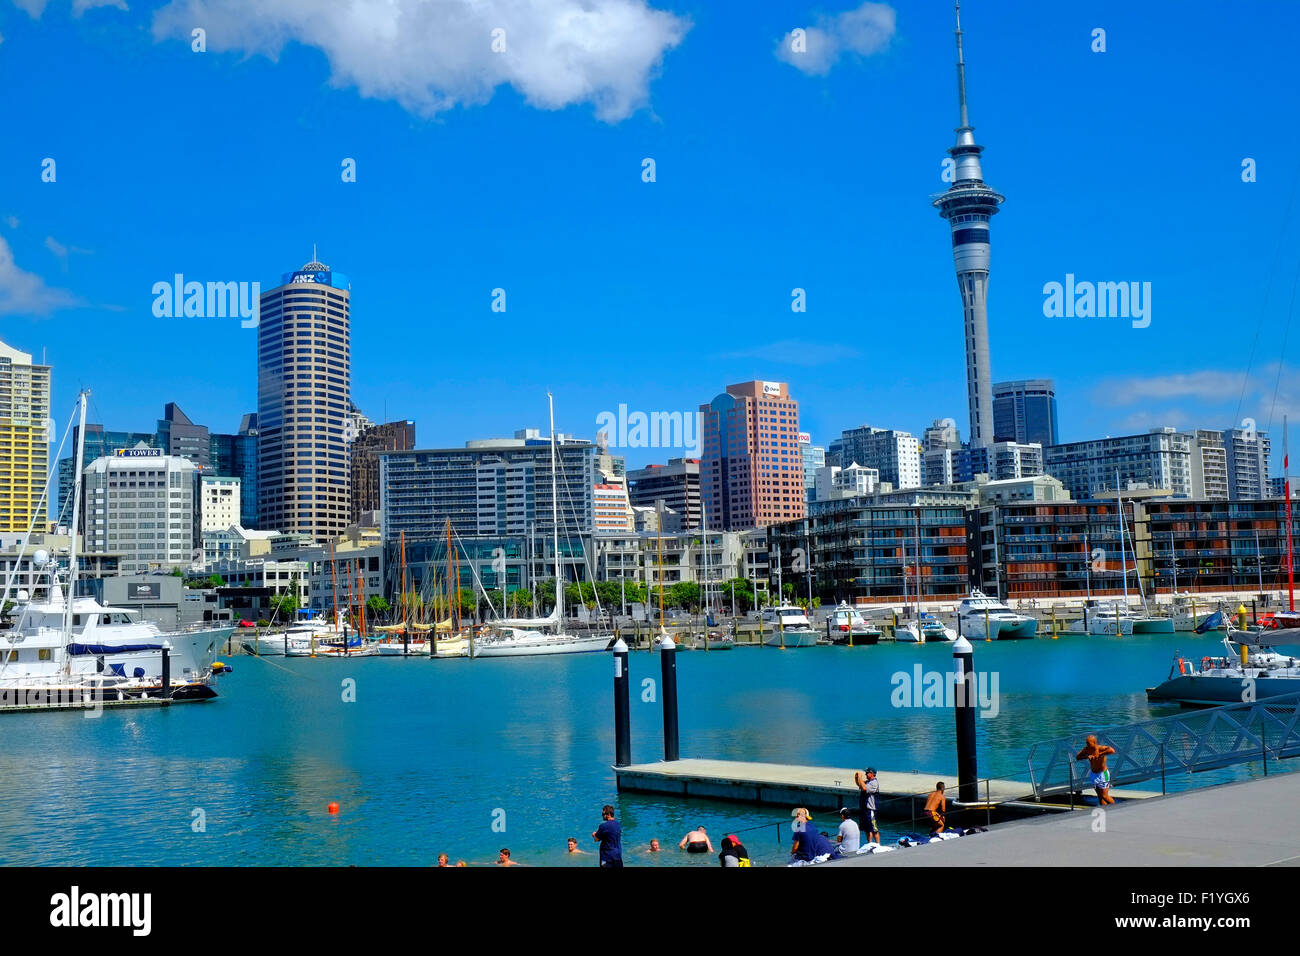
x,y
524,174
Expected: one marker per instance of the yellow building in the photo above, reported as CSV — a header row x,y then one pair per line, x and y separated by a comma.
x,y
24,438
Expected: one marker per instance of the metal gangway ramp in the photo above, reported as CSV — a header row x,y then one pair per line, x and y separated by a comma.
x,y
1189,742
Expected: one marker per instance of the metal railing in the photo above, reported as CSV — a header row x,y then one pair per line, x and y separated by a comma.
x,y
1184,743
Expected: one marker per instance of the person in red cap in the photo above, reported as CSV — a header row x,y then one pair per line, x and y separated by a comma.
x,y
733,852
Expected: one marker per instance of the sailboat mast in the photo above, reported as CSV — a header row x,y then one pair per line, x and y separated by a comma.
x,y
659,560
555,520
334,588
1087,562
73,557
1286,490
402,539
918,565
1123,560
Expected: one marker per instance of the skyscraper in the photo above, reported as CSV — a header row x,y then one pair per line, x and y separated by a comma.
x,y
365,450
751,472
24,439
1025,412
180,437
304,369
968,205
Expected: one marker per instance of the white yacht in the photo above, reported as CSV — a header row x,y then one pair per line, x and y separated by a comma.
x,y
926,629
848,625
526,637
790,627
52,643
1103,618
983,617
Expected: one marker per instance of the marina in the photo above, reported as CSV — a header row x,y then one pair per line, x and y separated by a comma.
x,y
278,744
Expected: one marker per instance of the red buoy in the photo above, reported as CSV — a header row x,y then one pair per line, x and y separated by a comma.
x,y
333,808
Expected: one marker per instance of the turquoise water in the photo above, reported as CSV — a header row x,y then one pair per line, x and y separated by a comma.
x,y
440,755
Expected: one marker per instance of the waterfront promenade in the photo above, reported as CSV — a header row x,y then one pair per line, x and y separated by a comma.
x,y
1234,824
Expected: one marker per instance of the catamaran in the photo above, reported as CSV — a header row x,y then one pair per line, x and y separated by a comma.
x,y
526,637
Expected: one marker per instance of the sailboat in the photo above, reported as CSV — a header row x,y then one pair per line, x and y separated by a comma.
x,y
713,639
924,626
529,636
1143,623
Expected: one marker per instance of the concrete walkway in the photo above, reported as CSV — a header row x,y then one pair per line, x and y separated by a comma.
x,y
1236,824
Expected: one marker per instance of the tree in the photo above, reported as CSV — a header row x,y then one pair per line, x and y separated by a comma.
x,y
177,573
377,604
520,601
216,581
488,601
740,590
465,602
683,594
787,590
546,594
285,604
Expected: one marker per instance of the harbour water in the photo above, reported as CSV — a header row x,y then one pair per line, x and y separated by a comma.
x,y
468,756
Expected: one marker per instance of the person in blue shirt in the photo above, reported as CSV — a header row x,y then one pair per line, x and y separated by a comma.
x,y
809,844
610,837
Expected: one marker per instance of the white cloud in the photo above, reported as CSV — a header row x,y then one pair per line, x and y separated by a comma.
x,y
793,352
1206,398
81,6
35,8
26,292
1210,383
433,55
864,32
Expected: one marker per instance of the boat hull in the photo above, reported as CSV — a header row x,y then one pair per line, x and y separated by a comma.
x,y
1207,691
541,646
791,638
1153,625
972,627
855,638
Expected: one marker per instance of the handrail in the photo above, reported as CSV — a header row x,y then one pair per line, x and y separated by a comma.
x,y
1183,743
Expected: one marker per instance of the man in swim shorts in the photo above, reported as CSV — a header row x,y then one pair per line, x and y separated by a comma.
x,y
697,841
936,806
1100,773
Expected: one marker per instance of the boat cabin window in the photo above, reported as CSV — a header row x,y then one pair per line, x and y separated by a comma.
x,y
43,654
13,657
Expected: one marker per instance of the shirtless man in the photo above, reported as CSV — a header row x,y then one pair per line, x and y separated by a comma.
x,y
697,841
1096,757
573,845
936,806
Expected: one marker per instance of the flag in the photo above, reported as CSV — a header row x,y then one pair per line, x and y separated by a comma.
x,y
1211,623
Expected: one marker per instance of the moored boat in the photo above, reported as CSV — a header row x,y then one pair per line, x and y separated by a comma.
x,y
983,617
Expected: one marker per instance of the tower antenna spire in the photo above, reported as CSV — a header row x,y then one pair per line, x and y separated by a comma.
x,y
961,72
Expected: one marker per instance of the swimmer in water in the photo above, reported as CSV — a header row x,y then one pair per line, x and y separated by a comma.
x,y
697,841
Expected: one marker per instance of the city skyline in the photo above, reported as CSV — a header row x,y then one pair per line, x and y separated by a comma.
x,y
651,292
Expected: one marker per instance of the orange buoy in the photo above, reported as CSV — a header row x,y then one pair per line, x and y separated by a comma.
x,y
333,808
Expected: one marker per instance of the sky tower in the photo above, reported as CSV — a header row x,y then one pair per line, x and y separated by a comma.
x,y
967,205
